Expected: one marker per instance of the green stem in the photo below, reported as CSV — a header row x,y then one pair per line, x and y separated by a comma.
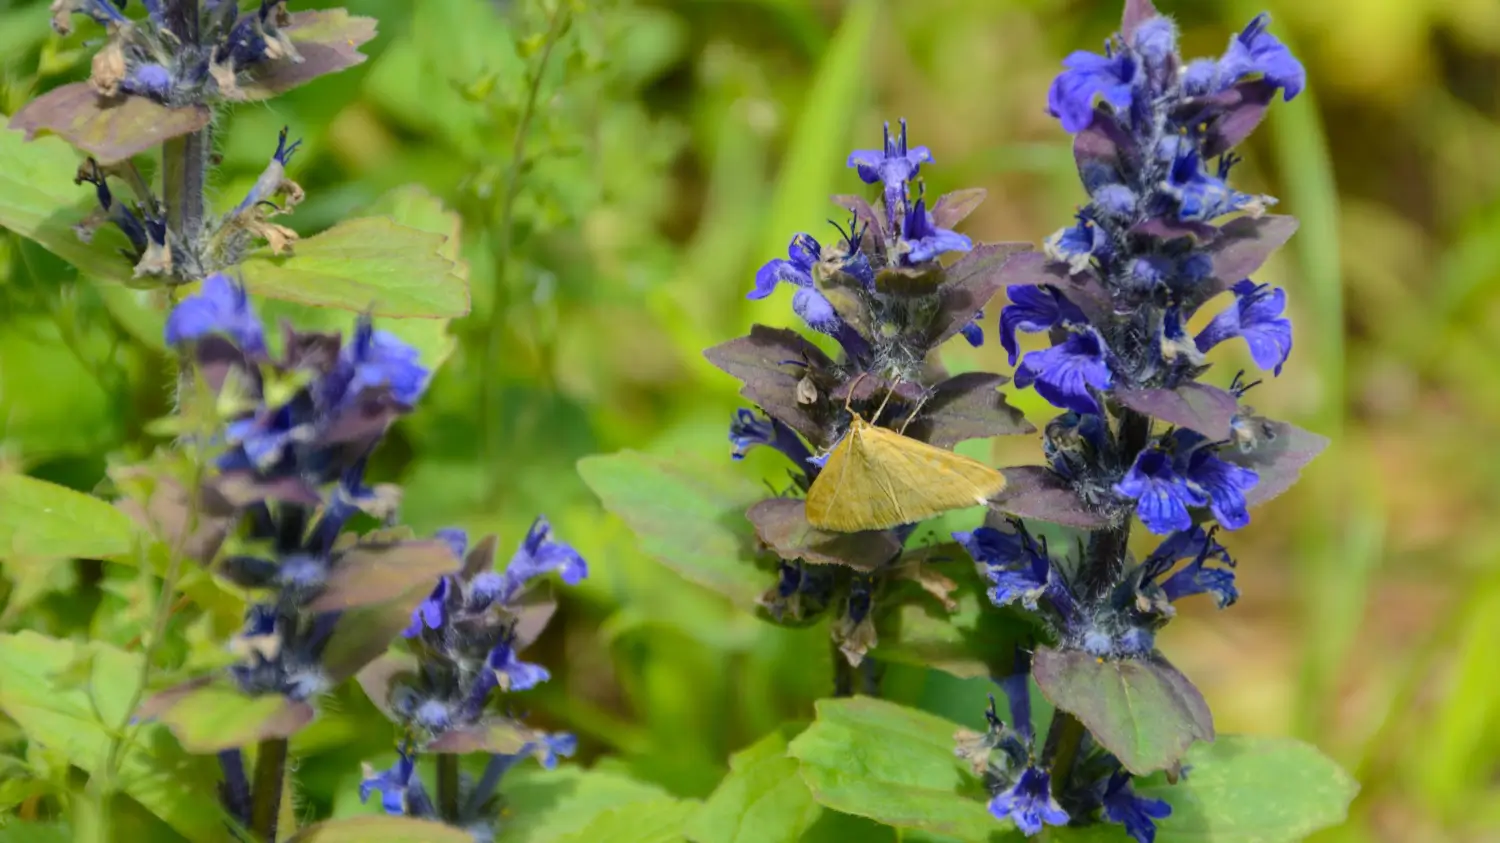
x,y
489,380
843,672
1063,742
265,795
447,786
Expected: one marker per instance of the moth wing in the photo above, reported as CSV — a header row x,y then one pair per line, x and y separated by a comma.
x,y
924,480
827,489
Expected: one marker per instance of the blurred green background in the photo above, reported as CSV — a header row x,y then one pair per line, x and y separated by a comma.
x,y
613,223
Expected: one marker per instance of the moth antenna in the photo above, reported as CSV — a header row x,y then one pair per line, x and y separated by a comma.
x,y
848,399
883,402
915,410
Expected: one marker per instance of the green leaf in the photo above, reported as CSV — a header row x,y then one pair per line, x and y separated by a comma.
x,y
544,806
654,821
380,830
372,264
39,201
410,206
1143,710
25,832
1244,789
71,697
688,515
41,520
762,800
896,765
215,718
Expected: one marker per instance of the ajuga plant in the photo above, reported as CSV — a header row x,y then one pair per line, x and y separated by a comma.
x,y
1147,431
258,511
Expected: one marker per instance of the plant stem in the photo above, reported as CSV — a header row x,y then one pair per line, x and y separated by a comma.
x,y
1063,742
265,806
493,771
185,161
489,373
447,786
1103,567
236,791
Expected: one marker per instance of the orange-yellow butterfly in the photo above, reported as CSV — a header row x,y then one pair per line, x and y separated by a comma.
x,y
876,479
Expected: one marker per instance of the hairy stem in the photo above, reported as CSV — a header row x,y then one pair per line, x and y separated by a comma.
x,y
493,771
235,792
447,786
1064,740
265,805
489,379
185,160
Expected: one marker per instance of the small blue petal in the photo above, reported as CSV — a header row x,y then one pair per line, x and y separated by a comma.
x,y
1029,803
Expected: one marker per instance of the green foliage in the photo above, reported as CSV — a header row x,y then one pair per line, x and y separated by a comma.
x,y
762,800
687,514
41,521
380,830
893,764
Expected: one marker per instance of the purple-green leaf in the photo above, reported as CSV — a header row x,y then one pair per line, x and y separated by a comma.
x,y
110,129
208,718
363,634
770,362
1143,710
1242,246
1278,454
364,575
953,208
1196,406
328,42
971,282
967,406
1032,491
492,734
782,524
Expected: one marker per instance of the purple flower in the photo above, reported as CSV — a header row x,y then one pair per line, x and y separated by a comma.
x,y
1029,803
429,613
456,539
376,359
1034,308
220,307
1225,483
796,269
1138,814
1162,495
893,167
148,79
1195,578
1017,689
925,241
748,430
1064,373
1202,196
273,177
512,674
973,332
1256,315
1257,51
538,555
1078,245
548,748
1017,569
1110,76
401,792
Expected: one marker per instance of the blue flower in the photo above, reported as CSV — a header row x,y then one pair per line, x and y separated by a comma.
x,y
1200,195
1162,495
1017,689
548,748
973,332
456,539
1155,41
1200,546
512,674
273,178
796,269
1137,813
1110,76
924,240
893,167
148,79
538,555
1034,308
401,792
1225,483
1257,51
1029,803
1078,245
1017,568
220,307
1064,373
374,360
429,613
748,430
1256,315
1197,578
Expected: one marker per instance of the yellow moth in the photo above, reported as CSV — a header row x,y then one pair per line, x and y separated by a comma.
x,y
876,479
